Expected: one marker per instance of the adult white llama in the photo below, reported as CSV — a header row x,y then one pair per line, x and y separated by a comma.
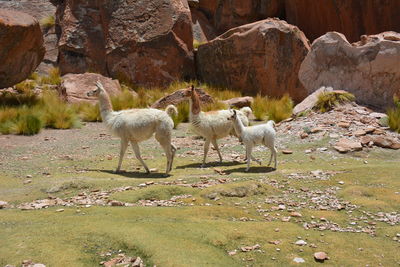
x,y
212,125
137,125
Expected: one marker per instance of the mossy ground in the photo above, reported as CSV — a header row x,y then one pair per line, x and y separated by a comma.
x,y
64,163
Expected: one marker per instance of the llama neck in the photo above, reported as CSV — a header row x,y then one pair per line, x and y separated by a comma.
x,y
105,105
194,104
238,125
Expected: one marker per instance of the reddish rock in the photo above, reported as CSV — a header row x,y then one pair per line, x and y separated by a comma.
x,y
225,15
39,9
353,18
254,58
362,68
147,43
346,145
21,46
239,102
320,256
386,142
75,86
310,101
201,26
178,96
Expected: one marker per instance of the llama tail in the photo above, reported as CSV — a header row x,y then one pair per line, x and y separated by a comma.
x,y
171,110
246,111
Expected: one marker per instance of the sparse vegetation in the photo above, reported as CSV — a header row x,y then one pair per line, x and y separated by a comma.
x,y
47,22
54,77
183,114
272,109
394,115
328,100
197,43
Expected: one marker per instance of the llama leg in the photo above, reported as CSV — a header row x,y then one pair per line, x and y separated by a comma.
x,y
165,141
206,147
124,146
215,144
173,149
275,152
256,160
270,159
248,156
135,147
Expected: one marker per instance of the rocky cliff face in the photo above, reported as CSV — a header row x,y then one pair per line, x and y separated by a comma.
x,y
146,43
353,18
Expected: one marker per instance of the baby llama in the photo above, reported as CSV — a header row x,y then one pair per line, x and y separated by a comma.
x,y
263,134
137,125
212,125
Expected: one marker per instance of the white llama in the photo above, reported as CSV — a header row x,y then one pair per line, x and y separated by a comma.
x,y
263,134
212,125
137,125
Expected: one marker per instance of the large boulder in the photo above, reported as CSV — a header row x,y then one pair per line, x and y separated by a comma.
x,y
75,86
40,10
178,96
21,46
353,18
146,43
259,58
225,15
368,69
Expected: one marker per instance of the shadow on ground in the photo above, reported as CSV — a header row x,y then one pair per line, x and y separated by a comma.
x,y
210,164
260,169
138,175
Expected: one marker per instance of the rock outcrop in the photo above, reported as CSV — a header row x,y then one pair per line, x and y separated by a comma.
x,y
178,96
147,43
368,69
262,57
225,15
353,18
39,9
21,46
75,86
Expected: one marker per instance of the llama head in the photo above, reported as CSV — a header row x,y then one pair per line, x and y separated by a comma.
x,y
97,91
233,116
189,92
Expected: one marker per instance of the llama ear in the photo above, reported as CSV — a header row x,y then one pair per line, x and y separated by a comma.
x,y
192,87
234,112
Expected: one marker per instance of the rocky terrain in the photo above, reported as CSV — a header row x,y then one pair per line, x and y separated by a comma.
x,y
334,198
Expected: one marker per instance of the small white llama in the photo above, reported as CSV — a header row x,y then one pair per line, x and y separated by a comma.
x,y
262,134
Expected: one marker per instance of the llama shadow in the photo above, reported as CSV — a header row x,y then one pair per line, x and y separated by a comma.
x,y
136,174
259,169
210,164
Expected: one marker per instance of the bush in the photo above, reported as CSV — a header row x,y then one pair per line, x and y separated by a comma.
x,y
272,109
27,124
394,115
57,113
183,114
328,100
23,120
53,77
88,112
47,22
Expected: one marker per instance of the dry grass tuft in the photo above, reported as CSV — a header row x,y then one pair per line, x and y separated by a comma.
x,y
328,100
272,109
394,115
